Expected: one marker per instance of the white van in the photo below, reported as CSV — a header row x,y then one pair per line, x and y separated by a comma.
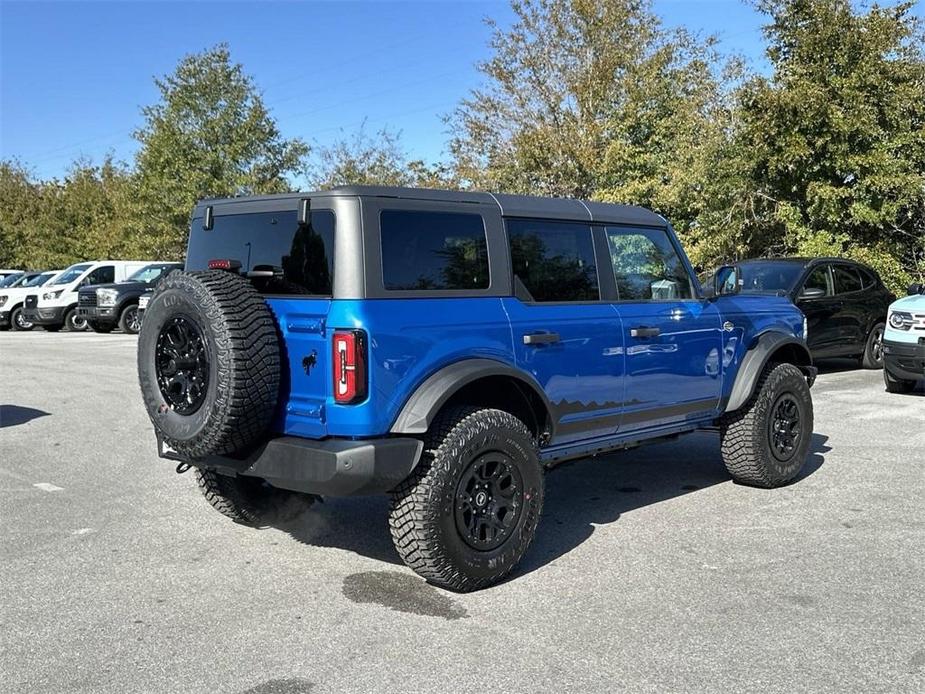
x,y
11,300
56,304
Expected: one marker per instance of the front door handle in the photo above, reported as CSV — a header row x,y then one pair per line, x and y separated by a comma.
x,y
540,338
643,331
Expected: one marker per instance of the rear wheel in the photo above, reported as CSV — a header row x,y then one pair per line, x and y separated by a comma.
x,y
873,349
129,322
467,514
765,442
18,321
250,500
74,323
897,385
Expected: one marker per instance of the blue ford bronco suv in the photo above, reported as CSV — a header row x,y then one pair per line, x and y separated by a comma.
x,y
448,347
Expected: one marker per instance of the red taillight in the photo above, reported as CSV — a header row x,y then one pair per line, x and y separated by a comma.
x,y
349,366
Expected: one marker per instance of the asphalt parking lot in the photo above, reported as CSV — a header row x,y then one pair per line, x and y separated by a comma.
x,y
652,571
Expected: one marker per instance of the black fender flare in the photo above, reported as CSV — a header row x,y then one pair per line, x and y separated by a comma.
x,y
757,357
436,390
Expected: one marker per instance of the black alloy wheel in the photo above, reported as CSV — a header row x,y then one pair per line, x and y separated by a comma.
x,y
489,499
182,366
784,429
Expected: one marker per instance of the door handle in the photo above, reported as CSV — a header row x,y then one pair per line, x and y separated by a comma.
x,y
643,331
540,338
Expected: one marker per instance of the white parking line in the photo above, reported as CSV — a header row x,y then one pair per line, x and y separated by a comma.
x,y
47,487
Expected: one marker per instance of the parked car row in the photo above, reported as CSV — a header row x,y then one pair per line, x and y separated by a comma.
x,y
98,295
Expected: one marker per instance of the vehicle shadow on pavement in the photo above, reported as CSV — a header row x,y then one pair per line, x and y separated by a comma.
x,y
592,492
12,415
579,496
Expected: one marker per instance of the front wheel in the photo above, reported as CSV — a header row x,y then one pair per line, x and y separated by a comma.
x,y
18,321
765,442
873,349
129,321
897,385
74,323
467,514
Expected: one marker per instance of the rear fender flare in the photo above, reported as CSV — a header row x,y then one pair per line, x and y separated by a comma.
x,y
436,390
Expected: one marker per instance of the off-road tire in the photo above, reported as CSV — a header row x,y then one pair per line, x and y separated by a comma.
x,y
422,517
896,385
125,320
242,362
98,327
873,348
74,323
249,500
15,317
745,434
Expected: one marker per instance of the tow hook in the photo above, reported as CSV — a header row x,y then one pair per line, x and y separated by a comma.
x,y
183,467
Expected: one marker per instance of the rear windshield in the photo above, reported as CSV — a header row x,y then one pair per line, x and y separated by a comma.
x,y
292,258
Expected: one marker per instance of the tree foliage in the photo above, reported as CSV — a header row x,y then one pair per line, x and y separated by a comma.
x,y
210,135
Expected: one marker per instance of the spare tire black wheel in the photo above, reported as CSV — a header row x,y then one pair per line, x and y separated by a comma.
x,y
208,363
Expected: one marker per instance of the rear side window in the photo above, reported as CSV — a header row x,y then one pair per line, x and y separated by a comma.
x,y
646,265
847,279
433,250
869,278
295,258
553,261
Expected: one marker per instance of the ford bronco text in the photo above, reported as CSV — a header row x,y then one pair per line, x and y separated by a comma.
x,y
446,348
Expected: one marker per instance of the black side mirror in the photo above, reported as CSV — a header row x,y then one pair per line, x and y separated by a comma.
x,y
916,288
727,280
812,293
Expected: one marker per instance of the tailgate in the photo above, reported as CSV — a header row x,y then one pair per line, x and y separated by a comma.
x,y
305,369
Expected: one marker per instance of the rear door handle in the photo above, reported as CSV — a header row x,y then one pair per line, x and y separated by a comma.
x,y
643,331
540,338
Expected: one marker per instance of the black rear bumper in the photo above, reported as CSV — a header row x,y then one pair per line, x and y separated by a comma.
x,y
904,360
333,467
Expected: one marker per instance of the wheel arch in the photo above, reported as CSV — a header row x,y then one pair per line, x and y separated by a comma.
x,y
483,382
768,347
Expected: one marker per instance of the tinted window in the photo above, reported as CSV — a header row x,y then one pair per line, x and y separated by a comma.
x,y
770,276
433,250
646,265
298,258
869,277
847,279
819,279
554,261
102,275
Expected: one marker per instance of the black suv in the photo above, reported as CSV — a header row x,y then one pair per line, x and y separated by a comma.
x,y
106,306
845,303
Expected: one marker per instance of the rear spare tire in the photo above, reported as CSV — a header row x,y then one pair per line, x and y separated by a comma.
x,y
208,363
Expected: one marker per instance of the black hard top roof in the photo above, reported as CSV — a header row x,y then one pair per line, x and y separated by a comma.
x,y
510,205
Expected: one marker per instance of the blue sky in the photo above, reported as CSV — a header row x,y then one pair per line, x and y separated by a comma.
x,y
73,75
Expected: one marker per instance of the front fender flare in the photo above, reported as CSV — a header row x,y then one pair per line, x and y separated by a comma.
x,y
430,396
757,357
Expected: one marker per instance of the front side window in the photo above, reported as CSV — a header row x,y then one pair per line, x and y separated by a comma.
x,y
433,250
647,266
285,257
847,279
553,261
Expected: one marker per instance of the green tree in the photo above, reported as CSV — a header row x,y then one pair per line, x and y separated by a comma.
x,y
831,146
593,98
378,159
209,135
